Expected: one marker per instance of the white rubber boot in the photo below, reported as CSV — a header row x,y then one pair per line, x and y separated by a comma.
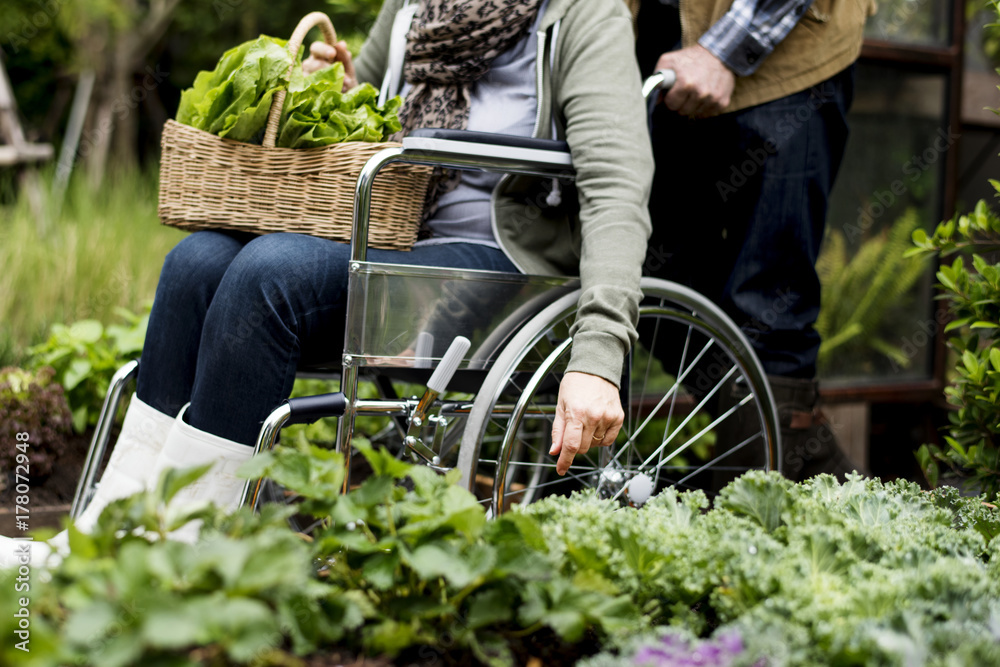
x,y
132,461
185,447
130,470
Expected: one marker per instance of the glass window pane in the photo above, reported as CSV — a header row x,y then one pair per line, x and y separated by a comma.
x,y
980,142
877,319
980,78
913,22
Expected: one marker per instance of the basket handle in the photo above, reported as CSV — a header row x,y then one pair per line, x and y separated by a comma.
x,y
308,22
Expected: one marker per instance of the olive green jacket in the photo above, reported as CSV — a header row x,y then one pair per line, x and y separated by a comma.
x,y
825,41
589,94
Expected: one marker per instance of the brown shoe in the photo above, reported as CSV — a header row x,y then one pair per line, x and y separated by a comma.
x,y
809,446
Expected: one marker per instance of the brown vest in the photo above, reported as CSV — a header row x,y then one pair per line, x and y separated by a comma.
x,y
825,41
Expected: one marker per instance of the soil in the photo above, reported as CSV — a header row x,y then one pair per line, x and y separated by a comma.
x,y
49,499
345,660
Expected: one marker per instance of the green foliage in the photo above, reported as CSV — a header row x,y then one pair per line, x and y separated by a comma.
x,y
246,593
818,573
32,403
406,564
85,356
973,295
406,560
234,100
100,251
431,569
863,296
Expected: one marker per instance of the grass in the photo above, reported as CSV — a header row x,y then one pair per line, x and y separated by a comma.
x,y
96,252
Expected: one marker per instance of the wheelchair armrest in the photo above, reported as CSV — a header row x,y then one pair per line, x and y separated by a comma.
x,y
459,149
488,146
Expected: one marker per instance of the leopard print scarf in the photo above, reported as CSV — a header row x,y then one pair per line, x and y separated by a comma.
x,y
450,46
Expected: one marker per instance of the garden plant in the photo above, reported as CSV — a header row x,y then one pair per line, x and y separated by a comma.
x,y
406,567
32,402
971,285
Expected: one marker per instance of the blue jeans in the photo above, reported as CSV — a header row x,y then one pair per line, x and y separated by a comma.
x,y
739,208
235,315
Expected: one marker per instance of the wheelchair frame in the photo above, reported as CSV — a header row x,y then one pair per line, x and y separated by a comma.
x,y
531,325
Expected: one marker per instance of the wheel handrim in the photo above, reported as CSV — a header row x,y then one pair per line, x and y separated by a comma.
x,y
663,463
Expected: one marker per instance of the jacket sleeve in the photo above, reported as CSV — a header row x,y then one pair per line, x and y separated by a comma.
x,y
597,93
373,59
747,34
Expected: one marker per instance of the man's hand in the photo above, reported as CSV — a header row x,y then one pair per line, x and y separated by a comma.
x,y
323,55
704,84
588,414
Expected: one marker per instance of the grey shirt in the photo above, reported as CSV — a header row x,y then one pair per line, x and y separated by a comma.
x,y
503,101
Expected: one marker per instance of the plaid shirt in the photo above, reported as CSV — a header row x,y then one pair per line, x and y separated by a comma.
x,y
749,31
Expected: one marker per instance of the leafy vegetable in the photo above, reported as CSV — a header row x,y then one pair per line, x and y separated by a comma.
x,y
406,564
818,573
433,571
234,100
317,113
33,403
86,355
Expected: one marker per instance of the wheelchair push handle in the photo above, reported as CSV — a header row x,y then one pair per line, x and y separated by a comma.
x,y
663,79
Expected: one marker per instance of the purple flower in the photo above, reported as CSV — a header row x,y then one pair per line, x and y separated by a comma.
x,y
673,651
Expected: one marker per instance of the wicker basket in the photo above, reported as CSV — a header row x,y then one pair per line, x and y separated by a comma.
x,y
207,182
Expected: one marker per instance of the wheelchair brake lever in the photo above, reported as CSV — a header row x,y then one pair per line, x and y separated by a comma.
x,y
435,387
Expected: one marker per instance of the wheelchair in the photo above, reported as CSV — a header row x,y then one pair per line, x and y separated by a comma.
x,y
491,348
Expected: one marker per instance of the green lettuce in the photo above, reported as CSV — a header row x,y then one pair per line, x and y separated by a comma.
x,y
234,100
317,113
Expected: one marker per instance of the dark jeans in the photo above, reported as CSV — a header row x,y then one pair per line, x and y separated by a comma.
x,y
739,207
235,315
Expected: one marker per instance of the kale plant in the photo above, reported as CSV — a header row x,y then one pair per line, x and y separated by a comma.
x,y
33,403
863,573
405,565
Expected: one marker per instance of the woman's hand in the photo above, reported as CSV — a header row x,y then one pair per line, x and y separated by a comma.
x,y
588,414
323,55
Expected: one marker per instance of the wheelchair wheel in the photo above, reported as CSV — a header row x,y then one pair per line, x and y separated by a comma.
x,y
698,409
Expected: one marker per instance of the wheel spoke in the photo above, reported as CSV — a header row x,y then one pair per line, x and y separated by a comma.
x,y
671,393
687,419
669,416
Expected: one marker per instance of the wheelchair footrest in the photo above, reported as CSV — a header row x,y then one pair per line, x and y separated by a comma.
x,y
308,409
